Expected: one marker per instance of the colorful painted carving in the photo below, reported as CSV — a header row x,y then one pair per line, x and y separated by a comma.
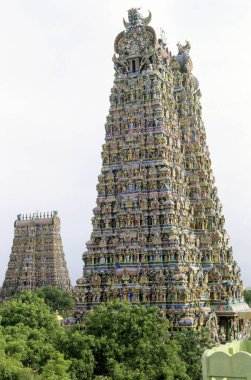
x,y
158,230
37,257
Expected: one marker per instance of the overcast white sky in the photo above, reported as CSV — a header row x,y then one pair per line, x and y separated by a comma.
x,y
55,78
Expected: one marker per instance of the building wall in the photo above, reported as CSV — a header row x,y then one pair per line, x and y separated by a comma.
x,y
229,361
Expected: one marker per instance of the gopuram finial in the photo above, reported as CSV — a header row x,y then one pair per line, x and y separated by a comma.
x,y
183,48
135,18
183,58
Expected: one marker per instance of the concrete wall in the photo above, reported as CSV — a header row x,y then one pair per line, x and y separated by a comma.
x,y
231,361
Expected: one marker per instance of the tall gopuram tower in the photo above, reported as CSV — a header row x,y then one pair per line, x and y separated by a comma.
x,y
158,230
37,257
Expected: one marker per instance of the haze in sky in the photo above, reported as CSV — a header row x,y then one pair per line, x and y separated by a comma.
x,y
56,73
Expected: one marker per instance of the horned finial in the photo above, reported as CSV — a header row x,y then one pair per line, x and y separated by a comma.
x,y
135,18
183,48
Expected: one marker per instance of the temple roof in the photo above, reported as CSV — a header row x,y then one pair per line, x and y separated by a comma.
x,y
35,218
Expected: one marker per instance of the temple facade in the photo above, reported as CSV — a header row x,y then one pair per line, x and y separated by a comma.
x,y
37,257
158,230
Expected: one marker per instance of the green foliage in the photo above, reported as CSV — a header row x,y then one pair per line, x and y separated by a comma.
x,y
247,297
117,342
132,343
56,369
30,330
57,299
193,343
78,347
10,367
28,309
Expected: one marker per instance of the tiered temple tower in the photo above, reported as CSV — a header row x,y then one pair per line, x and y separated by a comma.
x,y
158,231
37,257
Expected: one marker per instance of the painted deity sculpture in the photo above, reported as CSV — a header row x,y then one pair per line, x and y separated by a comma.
x,y
158,232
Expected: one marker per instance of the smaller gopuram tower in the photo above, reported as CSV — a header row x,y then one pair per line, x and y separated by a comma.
x,y
37,257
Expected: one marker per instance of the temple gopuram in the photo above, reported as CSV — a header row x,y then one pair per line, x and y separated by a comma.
x,y
158,230
37,257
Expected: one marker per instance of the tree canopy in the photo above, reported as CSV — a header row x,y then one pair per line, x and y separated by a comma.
x,y
133,343
118,341
57,299
247,296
